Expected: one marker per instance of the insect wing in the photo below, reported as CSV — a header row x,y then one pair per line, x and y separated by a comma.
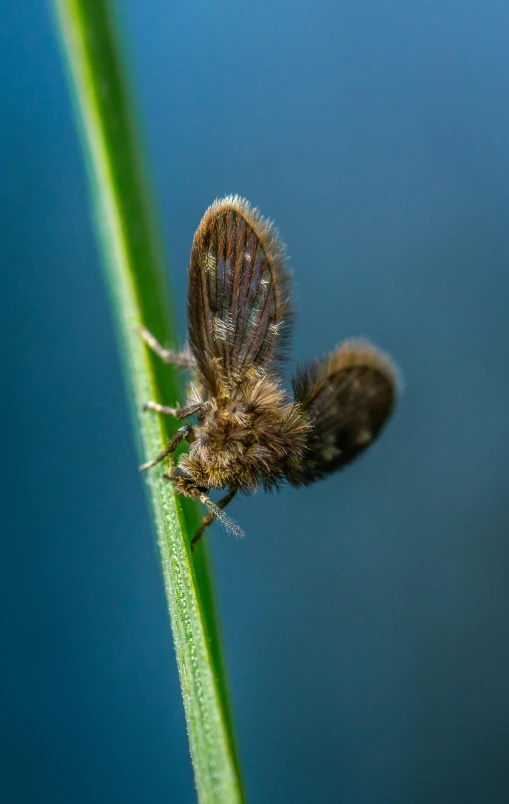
x,y
348,396
238,302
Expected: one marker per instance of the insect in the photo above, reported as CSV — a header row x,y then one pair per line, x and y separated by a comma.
x,y
248,431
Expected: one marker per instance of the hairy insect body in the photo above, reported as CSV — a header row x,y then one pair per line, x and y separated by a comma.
x,y
244,441
248,431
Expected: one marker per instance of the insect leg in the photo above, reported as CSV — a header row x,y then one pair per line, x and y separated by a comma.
x,y
160,408
186,430
176,358
179,413
215,510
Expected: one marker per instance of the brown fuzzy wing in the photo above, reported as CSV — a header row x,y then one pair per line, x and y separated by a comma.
x,y
348,396
238,303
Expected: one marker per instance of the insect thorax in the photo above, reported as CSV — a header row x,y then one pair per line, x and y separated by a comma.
x,y
246,440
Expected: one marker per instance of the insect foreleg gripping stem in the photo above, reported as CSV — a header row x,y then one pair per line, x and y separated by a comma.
x,y
183,432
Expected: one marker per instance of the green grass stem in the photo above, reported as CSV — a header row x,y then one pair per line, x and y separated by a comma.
x,y
135,277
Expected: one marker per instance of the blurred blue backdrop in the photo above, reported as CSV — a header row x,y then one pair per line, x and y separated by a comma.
x,y
366,619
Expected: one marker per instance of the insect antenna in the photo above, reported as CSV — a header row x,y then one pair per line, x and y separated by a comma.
x,y
220,514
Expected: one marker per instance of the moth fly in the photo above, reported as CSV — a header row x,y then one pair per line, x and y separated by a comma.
x,y
248,431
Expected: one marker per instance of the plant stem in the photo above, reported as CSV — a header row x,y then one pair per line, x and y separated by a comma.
x,y
135,277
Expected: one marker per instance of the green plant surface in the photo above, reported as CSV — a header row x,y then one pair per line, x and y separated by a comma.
x,y
135,276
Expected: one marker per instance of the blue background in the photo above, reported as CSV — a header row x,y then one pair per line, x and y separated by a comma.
x,y
366,618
